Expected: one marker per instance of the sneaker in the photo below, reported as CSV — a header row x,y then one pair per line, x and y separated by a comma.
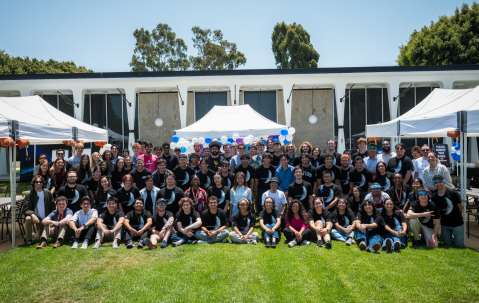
x,y
389,246
362,245
377,247
267,242
97,244
349,241
178,243
75,245
114,244
57,244
42,245
140,245
397,247
164,244
320,243
328,245
254,242
84,245
201,242
292,243
305,242
129,244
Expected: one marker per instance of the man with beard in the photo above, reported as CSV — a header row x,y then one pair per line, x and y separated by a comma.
x,y
137,225
171,160
195,162
149,194
331,150
139,174
246,169
328,191
215,158
73,191
330,167
227,152
277,153
386,154
263,175
205,174
401,164
172,194
149,160
183,173
160,174
226,176
359,176
300,190
344,171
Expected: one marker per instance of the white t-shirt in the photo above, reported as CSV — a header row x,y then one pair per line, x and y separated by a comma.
x,y
40,208
420,165
278,197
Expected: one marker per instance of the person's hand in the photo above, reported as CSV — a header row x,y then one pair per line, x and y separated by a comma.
x,y
362,227
242,237
214,233
427,214
189,233
134,233
140,232
161,234
348,229
297,235
78,231
323,231
107,232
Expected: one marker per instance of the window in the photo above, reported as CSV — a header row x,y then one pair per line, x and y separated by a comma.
x,y
264,102
64,102
204,102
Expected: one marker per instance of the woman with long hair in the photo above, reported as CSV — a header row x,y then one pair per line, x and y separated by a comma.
x,y
44,171
243,225
368,228
220,191
320,223
118,173
58,172
413,197
296,231
355,199
238,192
270,223
103,193
104,169
84,170
127,194
382,176
343,223
395,228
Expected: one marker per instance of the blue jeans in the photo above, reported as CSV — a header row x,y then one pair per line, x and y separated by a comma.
x,y
339,235
201,235
179,236
401,240
453,236
275,234
370,240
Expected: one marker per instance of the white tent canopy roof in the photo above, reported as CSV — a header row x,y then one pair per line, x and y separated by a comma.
x,y
41,123
229,120
434,116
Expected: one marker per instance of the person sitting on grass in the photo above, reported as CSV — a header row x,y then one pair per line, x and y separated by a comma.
x,y
243,225
395,228
342,220
83,223
368,228
270,222
320,223
162,225
188,221
296,230
56,223
424,220
109,224
137,224
213,228
39,203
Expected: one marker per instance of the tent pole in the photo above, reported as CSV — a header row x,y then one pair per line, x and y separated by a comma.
x,y
462,166
13,189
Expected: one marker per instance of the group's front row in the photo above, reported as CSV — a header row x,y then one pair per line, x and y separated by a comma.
x,y
372,229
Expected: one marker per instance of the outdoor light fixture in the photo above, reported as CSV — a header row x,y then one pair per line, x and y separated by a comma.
x,y
313,119
127,102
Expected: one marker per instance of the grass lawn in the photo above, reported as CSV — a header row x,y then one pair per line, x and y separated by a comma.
x,y
238,273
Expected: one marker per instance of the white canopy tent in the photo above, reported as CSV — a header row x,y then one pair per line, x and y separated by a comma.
x,y
33,119
229,120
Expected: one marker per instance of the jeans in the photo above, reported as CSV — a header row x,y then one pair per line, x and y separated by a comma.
x,y
289,234
453,236
220,237
395,239
175,237
275,234
85,234
371,241
341,236
235,238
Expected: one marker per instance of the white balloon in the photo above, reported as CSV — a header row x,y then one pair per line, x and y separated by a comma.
x,y
281,138
291,131
224,139
194,140
159,122
172,145
313,119
289,137
235,136
201,140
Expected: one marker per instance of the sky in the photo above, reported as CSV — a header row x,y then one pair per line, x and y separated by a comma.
x,y
99,34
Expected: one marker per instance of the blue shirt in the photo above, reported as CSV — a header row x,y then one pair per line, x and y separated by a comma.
x,y
285,177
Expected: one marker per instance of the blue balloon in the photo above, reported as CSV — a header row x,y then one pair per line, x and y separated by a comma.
x,y
175,138
275,139
286,142
457,146
230,140
284,132
183,149
208,140
456,157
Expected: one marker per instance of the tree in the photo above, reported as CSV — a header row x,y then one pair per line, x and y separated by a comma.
x,y
292,47
214,52
158,50
449,40
10,65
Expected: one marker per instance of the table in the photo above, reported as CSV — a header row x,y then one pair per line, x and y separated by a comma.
x,y
472,203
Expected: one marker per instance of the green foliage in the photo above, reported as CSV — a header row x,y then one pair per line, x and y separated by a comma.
x,y
450,40
158,50
214,52
292,47
10,65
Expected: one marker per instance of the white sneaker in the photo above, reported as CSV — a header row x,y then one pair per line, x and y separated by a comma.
x,y
75,245
349,241
178,243
292,243
97,244
115,244
84,245
254,242
306,242
202,242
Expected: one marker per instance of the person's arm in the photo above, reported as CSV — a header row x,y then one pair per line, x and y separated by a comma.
x,y
92,220
390,230
261,225
413,215
195,225
119,224
100,225
277,225
312,225
128,227
332,204
250,231
168,224
340,227
146,227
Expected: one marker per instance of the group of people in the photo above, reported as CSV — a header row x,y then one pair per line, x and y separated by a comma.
x,y
245,194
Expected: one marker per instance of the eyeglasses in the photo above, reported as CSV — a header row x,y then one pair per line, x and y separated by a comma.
x,y
425,150
38,182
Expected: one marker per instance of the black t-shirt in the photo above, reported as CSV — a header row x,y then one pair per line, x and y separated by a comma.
x,y
92,185
395,220
173,196
227,180
248,172
243,223
139,178
171,161
397,165
370,219
160,222
334,171
448,207
159,179
127,198
117,178
344,220
187,220
301,191
276,159
309,174
269,218
214,162
354,204
137,221
360,178
263,175
418,208
324,216
357,153
328,193
398,196
384,181
73,195
222,193
101,197
183,177
110,220
213,221
317,162
344,178
206,179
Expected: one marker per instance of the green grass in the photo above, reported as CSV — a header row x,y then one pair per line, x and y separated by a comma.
x,y
238,273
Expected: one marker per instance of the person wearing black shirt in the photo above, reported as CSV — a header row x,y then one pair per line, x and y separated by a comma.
x,y
362,148
343,223
309,173
399,192
72,191
368,228
137,224
172,194
226,176
205,174
382,176
355,199
320,223
243,225
262,176
104,192
93,183
139,174
331,168
450,206
344,171
160,174
270,222
277,153
109,224
220,191
359,175
118,173
300,190
213,228
171,160
183,173
247,169
127,194
401,164
162,225
328,191
215,157
424,219
188,221
394,228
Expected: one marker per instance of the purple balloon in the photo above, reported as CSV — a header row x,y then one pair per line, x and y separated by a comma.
x,y
239,140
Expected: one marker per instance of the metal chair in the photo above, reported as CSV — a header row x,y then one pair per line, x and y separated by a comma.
x,y
6,218
472,210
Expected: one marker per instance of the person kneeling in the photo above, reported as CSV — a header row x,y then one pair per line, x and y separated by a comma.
x,y
162,225
109,223
424,220
83,223
56,223
296,231
320,223
270,222
137,224
213,228
243,225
